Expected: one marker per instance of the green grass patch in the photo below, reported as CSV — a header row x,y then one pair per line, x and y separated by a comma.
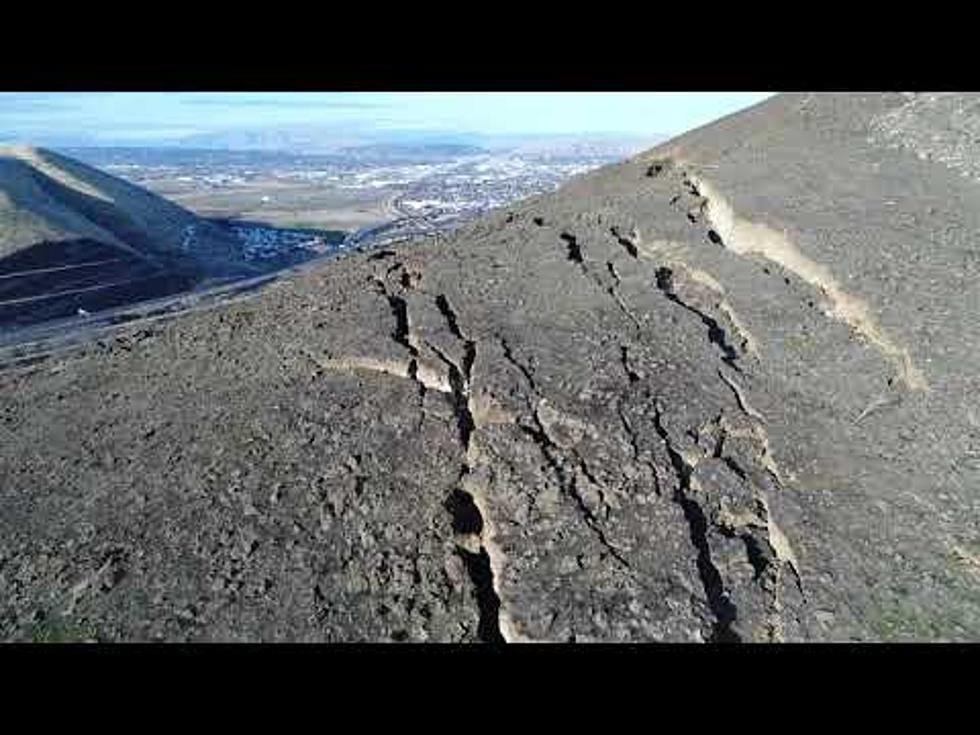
x,y
63,631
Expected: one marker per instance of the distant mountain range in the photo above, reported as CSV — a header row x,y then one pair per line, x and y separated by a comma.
x,y
387,145
401,145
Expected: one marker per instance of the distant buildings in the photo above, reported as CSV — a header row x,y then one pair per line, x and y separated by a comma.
x,y
426,195
264,243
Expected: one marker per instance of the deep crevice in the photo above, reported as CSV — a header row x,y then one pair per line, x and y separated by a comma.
x,y
624,358
459,384
469,346
399,309
466,516
461,404
469,357
446,309
467,520
613,272
734,467
525,371
459,374
626,242
574,249
723,609
757,555
716,334
487,601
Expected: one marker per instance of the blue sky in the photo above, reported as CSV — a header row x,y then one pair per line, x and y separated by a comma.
x,y
121,118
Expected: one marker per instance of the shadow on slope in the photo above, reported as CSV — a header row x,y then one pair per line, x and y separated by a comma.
x,y
67,198
53,280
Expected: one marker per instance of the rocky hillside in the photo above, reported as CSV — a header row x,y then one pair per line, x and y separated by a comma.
x,y
723,391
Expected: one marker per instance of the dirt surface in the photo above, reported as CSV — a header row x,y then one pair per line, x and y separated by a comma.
x,y
720,392
288,205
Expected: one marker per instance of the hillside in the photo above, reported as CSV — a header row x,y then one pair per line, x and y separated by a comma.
x,y
722,391
72,236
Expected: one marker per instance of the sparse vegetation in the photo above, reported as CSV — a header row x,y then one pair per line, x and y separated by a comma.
x,y
57,630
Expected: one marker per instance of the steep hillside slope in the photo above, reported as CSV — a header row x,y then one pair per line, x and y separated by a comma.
x,y
72,236
719,392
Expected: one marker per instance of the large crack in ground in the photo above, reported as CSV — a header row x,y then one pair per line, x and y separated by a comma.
x,y
558,462
717,508
719,602
764,553
636,249
662,251
569,483
628,243
403,336
459,390
467,523
705,509
716,334
576,254
468,506
747,238
470,522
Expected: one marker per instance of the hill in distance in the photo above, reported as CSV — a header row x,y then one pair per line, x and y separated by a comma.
x,y
722,391
73,237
